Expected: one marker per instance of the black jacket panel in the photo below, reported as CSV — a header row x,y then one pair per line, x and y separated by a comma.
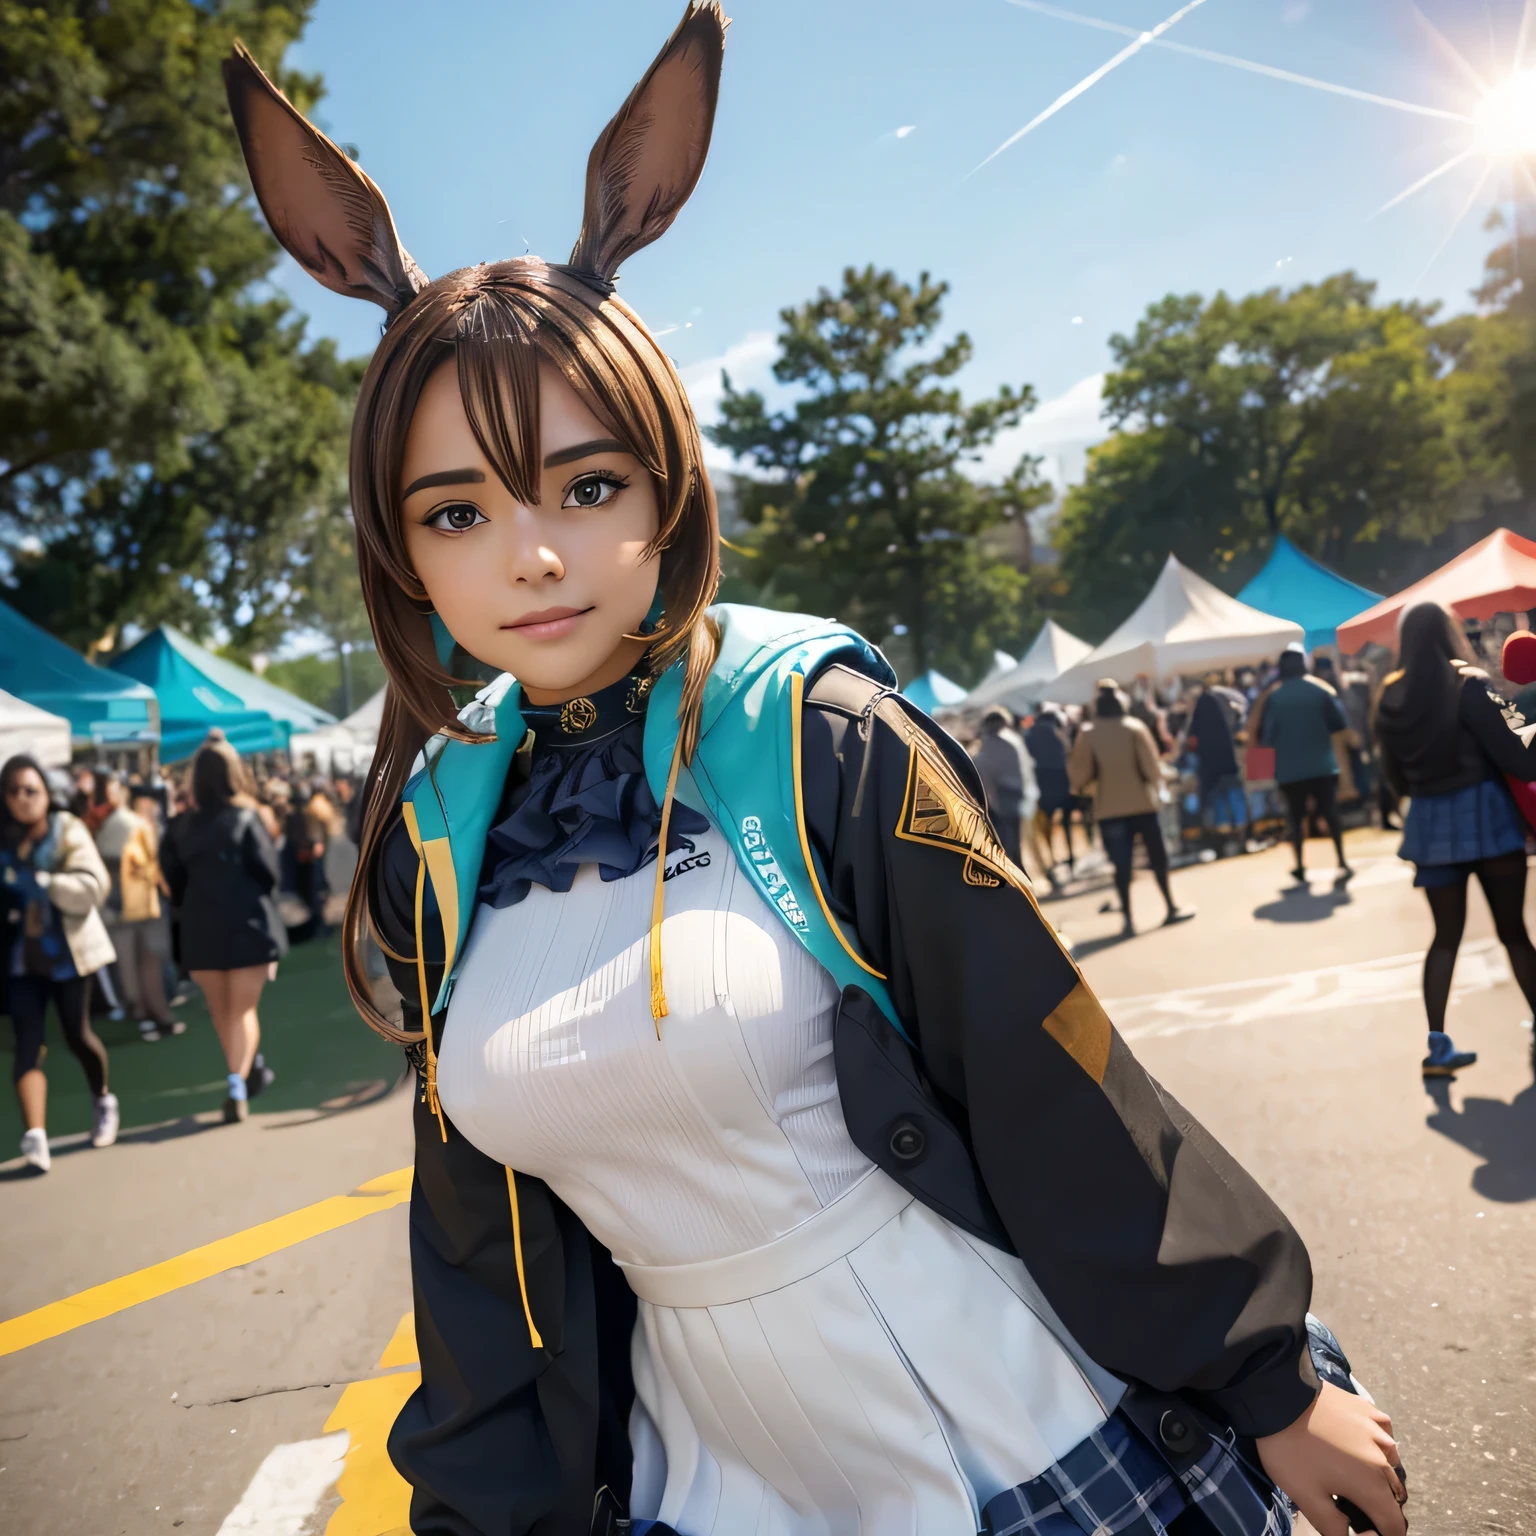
x,y
503,1435
1162,1257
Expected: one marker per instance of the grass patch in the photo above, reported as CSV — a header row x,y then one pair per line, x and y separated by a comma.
x,y
311,1037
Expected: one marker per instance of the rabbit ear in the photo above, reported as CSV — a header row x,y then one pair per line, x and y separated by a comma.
x,y
648,159
328,215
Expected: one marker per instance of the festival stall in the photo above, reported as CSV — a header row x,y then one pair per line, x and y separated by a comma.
x,y
1496,575
198,691
1184,626
1294,586
26,728
933,691
104,710
346,746
1026,684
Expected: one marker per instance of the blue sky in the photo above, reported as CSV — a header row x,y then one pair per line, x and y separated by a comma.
x,y
1171,174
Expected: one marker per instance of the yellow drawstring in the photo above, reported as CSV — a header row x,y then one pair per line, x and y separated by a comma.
x,y
658,992
426,1005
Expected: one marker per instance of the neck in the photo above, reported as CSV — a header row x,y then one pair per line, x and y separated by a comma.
x,y
619,665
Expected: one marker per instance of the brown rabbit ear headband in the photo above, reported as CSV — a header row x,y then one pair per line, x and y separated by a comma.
x,y
332,219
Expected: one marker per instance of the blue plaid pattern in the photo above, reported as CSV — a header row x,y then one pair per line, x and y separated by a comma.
x,y
1115,1484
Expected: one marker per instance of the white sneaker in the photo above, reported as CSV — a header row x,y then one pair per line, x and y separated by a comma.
x,y
107,1120
34,1148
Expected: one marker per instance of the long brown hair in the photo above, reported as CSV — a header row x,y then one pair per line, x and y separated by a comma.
x,y
497,323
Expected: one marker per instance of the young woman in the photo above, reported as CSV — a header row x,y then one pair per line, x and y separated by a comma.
x,y
753,1193
1447,739
222,870
54,885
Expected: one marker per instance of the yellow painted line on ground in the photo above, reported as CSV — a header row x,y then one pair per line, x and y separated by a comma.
x,y
375,1499
213,1258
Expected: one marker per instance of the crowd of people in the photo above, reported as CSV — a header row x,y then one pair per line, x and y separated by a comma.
x,y
122,893
1442,728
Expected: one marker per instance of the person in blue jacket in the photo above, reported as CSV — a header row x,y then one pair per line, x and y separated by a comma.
x,y
776,1169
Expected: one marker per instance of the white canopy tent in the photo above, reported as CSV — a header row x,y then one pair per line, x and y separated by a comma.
x,y
1183,625
346,746
26,728
1023,685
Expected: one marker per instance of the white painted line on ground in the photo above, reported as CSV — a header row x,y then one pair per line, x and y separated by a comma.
x,y
287,1489
1480,966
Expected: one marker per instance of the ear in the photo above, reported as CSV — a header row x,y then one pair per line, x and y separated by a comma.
x,y
326,213
648,159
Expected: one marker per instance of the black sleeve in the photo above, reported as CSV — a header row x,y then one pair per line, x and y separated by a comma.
x,y
1483,713
1163,1258
257,854
522,1410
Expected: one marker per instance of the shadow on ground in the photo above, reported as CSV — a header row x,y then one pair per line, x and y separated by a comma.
x,y
325,1057
1503,1135
1299,904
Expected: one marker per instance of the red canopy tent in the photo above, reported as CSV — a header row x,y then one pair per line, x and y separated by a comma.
x,y
1497,575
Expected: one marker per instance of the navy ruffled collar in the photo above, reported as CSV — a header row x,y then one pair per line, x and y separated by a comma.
x,y
585,799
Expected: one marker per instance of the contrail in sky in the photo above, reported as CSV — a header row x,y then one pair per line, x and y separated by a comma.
x,y
1141,41
1231,60
1424,181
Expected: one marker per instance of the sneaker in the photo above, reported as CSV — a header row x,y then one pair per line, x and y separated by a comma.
x,y
236,1110
107,1121
260,1076
34,1148
151,1032
1444,1060
1178,915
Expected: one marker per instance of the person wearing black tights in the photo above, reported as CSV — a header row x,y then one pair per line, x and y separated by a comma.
x,y
1447,740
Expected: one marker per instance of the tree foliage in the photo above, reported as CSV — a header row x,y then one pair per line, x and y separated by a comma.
x,y
165,430
1317,413
863,510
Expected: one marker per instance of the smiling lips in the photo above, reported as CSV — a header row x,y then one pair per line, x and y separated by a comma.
x,y
547,623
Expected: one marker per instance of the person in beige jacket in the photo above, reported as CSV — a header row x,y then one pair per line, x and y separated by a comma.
x,y
53,884
1116,754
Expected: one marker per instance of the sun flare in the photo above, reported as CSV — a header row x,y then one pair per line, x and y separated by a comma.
x,y
1506,117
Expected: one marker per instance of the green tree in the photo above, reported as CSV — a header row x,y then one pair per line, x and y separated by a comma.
x,y
864,510
165,428
1315,413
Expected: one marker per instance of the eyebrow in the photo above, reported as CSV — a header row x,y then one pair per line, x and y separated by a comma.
x,y
584,450
445,477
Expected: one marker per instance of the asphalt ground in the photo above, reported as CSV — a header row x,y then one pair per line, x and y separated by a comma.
x,y
229,1389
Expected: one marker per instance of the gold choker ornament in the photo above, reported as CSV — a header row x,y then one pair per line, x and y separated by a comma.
x,y
578,715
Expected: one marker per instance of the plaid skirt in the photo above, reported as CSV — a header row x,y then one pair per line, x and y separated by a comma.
x,y
1463,826
1116,1484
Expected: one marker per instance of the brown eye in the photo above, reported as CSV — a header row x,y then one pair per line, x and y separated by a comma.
x,y
455,517
593,490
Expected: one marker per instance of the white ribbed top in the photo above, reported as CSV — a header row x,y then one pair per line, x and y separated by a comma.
x,y
895,1390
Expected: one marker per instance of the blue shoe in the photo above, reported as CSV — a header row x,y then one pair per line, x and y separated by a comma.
x,y
1444,1060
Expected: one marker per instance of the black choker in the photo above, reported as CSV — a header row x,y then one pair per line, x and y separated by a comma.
x,y
590,717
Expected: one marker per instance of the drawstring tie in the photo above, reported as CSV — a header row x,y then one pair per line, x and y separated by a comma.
x,y
658,991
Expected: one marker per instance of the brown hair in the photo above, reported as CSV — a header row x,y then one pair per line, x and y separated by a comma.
x,y
497,323
219,778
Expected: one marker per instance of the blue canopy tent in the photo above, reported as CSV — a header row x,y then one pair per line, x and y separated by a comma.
x,y
102,707
198,691
933,691
1294,586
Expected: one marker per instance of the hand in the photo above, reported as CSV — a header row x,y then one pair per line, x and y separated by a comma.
x,y
1342,1445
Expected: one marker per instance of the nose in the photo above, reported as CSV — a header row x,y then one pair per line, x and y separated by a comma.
x,y
530,556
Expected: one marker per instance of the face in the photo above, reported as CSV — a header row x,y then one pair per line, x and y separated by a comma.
x,y
545,592
26,797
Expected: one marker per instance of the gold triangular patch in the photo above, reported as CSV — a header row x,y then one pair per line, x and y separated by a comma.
x,y
938,811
